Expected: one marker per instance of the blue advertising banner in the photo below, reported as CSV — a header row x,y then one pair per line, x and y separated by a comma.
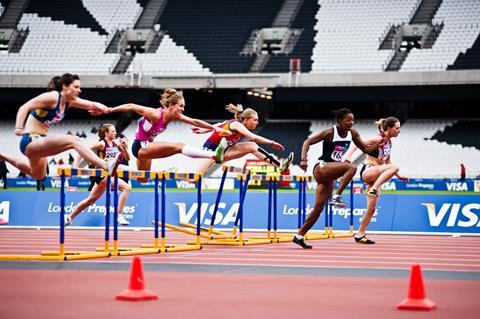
x,y
395,212
453,185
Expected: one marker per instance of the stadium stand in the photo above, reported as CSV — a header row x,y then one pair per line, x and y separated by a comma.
x,y
217,31
168,59
461,29
70,12
304,21
332,36
464,133
348,33
424,148
468,60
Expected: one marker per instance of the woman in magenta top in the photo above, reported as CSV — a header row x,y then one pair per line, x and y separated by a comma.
x,y
155,121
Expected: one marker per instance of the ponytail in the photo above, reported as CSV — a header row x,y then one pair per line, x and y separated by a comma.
x,y
386,123
235,109
170,97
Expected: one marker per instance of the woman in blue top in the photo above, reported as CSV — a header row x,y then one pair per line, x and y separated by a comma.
x,y
35,117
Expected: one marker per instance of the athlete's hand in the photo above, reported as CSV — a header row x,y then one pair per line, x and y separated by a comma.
x,y
19,131
98,109
123,143
277,145
403,178
304,165
198,130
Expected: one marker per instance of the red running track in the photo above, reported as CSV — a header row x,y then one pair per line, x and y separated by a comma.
x,y
218,282
390,252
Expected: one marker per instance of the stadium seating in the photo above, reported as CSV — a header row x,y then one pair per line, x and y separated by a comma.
x,y
424,148
169,59
337,36
305,21
461,29
349,32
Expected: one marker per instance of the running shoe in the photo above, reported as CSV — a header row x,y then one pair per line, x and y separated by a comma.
x,y
337,201
301,243
122,221
364,240
67,220
113,164
372,192
220,151
286,162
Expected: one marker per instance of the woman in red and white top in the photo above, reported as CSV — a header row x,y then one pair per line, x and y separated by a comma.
x,y
244,122
376,170
107,149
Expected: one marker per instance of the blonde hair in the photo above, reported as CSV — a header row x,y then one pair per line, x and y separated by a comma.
x,y
170,97
240,113
386,123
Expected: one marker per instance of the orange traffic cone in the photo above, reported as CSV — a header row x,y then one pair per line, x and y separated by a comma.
x,y
136,289
416,299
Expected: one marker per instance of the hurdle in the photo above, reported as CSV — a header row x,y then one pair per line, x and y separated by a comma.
x,y
115,250
61,254
329,219
163,247
210,232
272,231
106,251
239,239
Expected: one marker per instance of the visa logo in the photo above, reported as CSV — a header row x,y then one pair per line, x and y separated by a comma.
x,y
389,186
457,186
468,216
185,184
57,183
188,214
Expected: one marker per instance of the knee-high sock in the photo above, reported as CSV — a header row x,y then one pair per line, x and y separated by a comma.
x,y
196,152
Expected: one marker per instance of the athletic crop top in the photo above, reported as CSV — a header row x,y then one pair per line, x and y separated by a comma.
x,y
232,138
382,152
333,151
109,152
49,116
146,131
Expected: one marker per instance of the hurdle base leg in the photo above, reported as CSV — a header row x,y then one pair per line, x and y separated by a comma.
x,y
233,242
33,257
76,255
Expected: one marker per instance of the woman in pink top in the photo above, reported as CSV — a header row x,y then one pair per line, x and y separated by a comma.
x,y
155,121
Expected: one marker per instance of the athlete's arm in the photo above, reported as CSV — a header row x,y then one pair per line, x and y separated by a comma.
x,y
239,127
151,114
351,150
94,108
365,147
323,135
202,124
122,144
44,100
